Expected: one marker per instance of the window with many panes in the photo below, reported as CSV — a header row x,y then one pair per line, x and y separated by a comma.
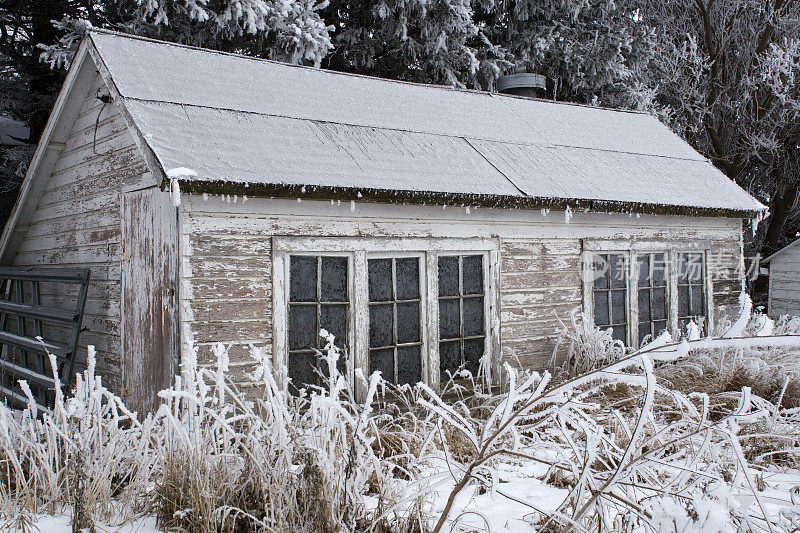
x,y
610,294
652,290
395,319
462,332
413,309
318,299
665,291
691,288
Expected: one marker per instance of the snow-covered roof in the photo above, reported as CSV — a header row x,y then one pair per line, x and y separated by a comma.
x,y
781,251
236,119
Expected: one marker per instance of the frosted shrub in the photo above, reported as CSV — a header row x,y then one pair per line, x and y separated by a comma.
x,y
586,347
273,463
38,452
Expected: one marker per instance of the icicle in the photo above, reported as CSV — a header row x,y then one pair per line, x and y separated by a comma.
x,y
352,206
303,189
235,198
244,198
567,215
175,192
175,174
205,196
467,210
754,222
359,195
299,201
545,212
338,202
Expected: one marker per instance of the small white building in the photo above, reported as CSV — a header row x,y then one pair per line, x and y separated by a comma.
x,y
784,281
222,198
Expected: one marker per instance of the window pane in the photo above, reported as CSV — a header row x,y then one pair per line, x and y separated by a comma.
x,y
618,333
408,322
616,271
644,330
301,369
302,327
381,325
449,358
407,271
601,309
659,304
383,361
683,300
449,319
659,270
473,351
380,280
643,269
659,326
473,274
448,276
644,305
334,319
473,316
600,269
693,268
333,283
696,307
302,279
618,307
409,365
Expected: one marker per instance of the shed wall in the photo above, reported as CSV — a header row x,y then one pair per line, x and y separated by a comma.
x,y
77,223
784,283
226,267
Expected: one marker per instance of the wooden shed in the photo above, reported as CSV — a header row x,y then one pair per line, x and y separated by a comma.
x,y
784,281
221,198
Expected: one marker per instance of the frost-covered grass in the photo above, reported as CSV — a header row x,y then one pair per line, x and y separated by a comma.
x,y
700,435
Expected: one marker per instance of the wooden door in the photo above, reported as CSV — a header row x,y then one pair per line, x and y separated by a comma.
x,y
148,297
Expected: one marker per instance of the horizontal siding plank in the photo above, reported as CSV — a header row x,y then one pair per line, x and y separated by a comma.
x,y
76,239
243,267
252,331
541,263
231,288
79,256
225,246
533,280
231,309
108,201
543,296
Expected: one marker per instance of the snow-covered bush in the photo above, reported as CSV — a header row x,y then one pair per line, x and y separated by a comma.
x,y
585,347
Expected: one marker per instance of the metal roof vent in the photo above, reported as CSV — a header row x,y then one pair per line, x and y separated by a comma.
x,y
523,84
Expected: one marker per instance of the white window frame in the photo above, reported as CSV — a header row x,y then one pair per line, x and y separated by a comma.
x,y
708,293
631,250
360,249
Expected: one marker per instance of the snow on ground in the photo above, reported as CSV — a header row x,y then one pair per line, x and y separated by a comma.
x,y
508,510
62,524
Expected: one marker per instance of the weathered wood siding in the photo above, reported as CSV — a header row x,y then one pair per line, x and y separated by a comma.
x,y
226,266
784,283
77,222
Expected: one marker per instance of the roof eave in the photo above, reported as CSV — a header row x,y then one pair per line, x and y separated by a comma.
x,y
308,192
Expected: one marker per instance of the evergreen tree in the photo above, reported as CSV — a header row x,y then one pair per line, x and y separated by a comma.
x,y
429,41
